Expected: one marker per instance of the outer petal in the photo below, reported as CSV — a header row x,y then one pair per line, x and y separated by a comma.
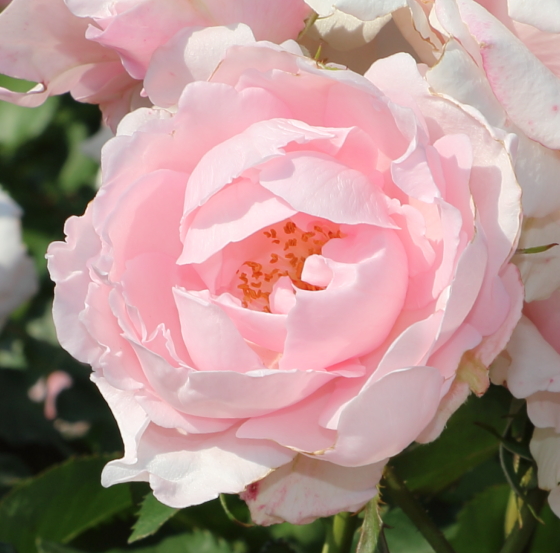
x,y
189,470
191,55
68,265
403,403
535,365
528,90
41,41
362,9
305,489
545,18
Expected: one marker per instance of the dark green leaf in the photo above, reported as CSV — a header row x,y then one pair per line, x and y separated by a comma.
x,y
151,517
44,546
60,504
547,536
462,446
481,522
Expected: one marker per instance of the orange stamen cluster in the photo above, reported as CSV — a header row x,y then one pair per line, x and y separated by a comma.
x,y
289,248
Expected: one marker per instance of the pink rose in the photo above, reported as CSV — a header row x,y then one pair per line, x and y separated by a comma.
x,y
278,281
100,50
501,57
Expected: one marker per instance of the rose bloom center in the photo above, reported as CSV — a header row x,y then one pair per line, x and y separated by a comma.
x,y
289,247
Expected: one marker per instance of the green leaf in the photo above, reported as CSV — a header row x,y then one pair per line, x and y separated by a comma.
x,y
44,546
480,524
60,504
152,516
402,536
462,445
547,536
20,124
195,542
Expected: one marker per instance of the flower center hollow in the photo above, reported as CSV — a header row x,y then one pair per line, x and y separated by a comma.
x,y
287,247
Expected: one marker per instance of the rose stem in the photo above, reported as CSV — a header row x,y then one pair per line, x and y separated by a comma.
x,y
341,533
403,497
521,533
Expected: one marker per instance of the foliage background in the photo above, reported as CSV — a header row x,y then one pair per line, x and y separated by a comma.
x,y
51,500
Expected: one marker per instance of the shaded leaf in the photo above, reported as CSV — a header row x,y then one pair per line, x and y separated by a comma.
x,y
547,536
151,517
402,536
480,524
60,504
462,445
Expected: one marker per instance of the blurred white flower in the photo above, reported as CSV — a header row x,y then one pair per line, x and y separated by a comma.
x,y
18,279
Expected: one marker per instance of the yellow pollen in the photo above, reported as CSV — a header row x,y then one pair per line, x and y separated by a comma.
x,y
289,247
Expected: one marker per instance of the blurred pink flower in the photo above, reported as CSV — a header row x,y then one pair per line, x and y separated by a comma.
x,y
289,278
48,389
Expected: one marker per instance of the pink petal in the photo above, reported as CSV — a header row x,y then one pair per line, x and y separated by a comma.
x,y
279,426
306,489
321,186
191,55
231,215
68,266
535,365
210,336
386,416
528,90
189,470
47,47
349,318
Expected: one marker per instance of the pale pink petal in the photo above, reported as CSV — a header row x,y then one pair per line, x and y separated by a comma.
x,y
546,17
404,401
280,425
68,265
451,401
321,186
231,215
543,409
265,329
545,315
545,448
305,489
529,91
131,418
260,142
191,55
349,318
535,365
210,336
362,9
540,271
189,470
48,48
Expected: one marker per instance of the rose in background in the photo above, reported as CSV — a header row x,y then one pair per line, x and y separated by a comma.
x,y
530,366
295,246
101,51
18,280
